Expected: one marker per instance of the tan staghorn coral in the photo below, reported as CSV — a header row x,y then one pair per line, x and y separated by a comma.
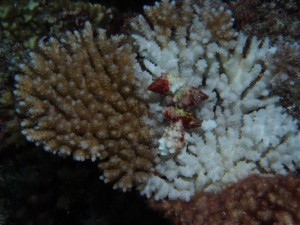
x,y
254,200
167,16
77,97
157,15
219,21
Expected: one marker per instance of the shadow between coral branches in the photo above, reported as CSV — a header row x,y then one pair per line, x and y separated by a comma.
x,y
40,188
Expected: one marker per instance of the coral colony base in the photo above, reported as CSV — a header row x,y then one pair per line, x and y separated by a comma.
x,y
186,109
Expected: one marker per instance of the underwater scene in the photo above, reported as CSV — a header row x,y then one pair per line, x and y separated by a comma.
x,y
183,112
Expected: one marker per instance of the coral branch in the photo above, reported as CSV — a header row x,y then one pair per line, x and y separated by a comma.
x,y
240,129
78,98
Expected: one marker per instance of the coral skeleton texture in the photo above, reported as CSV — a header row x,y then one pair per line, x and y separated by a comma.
x,y
243,130
77,97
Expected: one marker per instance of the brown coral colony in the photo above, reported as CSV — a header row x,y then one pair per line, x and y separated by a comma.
x,y
87,106
254,200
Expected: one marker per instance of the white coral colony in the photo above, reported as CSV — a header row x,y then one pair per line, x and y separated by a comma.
x,y
243,130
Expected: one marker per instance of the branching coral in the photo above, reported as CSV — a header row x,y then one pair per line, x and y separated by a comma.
x,y
9,123
255,200
212,123
187,115
77,97
243,130
219,21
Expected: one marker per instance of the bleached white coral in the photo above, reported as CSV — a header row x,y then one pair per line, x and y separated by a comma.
x,y
172,140
243,130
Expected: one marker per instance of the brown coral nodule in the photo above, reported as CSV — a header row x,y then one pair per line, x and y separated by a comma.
x,y
254,200
77,97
